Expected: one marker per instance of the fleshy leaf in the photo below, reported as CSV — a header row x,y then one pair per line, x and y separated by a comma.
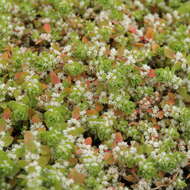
x,y
7,140
6,113
169,53
28,137
88,141
76,176
54,78
47,28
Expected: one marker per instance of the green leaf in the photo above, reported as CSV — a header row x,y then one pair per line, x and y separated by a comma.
x,y
183,92
184,8
43,160
77,131
7,139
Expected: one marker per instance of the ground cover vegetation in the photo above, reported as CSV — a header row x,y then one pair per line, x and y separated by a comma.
x,y
94,94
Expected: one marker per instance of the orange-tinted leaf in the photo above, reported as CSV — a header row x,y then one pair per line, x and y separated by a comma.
x,y
2,128
161,174
121,184
120,58
170,102
31,112
132,29
99,107
88,141
6,113
35,119
118,113
159,185
28,137
69,79
88,84
136,110
41,129
76,176
91,112
96,150
38,41
107,52
63,55
130,178
151,73
133,170
96,82
78,77
47,28
108,157
84,75
171,99
155,47
160,114
44,86
171,95
54,78
76,113
20,75
84,39
133,123
78,151
5,55
67,90
154,137
118,137
138,45
157,127
153,120
149,110
73,161
96,97
149,33
111,188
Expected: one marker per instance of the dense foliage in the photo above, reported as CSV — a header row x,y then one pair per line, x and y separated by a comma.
x,y
94,94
